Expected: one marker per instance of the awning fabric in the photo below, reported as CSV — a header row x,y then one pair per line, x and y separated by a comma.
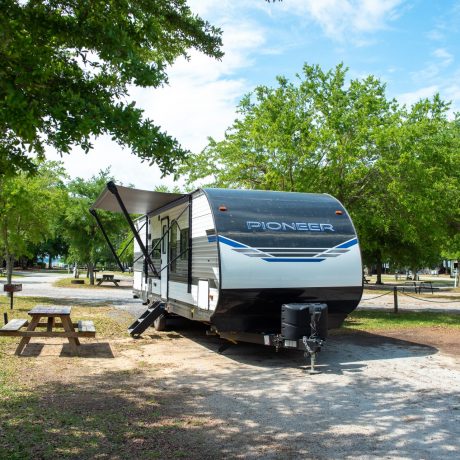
x,y
136,201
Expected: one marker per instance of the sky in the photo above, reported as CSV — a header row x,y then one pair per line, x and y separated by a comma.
x,y
411,45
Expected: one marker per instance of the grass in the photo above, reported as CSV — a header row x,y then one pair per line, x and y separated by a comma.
x,y
385,320
66,407
109,322
67,283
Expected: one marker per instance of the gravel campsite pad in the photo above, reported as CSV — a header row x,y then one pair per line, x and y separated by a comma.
x,y
376,396
391,394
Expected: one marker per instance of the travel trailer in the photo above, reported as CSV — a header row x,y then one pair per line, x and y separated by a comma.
x,y
277,268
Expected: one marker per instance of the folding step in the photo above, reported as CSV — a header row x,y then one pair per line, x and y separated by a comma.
x,y
147,318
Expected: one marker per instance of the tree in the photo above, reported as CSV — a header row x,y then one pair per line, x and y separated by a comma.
x,y
86,242
52,247
66,66
387,164
29,206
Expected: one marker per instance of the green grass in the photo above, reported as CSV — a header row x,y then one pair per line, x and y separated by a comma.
x,y
385,320
67,282
109,322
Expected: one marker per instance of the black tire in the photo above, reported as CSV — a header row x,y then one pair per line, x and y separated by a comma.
x,y
160,323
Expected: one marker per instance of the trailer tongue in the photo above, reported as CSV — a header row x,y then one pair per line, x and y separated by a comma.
x,y
303,327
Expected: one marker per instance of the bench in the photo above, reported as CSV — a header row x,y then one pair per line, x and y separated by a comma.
x,y
411,284
428,285
86,328
108,279
13,326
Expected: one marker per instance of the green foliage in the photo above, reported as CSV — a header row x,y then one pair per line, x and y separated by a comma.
x,y
29,207
65,70
86,242
395,169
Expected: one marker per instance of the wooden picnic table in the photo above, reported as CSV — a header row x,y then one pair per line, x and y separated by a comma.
x,y
109,279
50,315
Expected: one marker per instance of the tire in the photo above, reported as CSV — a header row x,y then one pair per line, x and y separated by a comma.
x,y
160,323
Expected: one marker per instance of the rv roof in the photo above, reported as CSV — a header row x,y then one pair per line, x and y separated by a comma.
x,y
136,201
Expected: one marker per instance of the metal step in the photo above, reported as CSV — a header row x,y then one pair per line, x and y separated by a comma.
x,y
147,318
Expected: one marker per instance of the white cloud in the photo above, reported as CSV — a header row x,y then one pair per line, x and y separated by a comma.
x,y
444,56
412,97
346,19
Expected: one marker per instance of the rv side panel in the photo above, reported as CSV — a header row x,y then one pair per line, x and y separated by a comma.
x,y
139,284
205,264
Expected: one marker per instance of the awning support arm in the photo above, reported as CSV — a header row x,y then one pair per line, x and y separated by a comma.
x,y
113,189
129,242
99,223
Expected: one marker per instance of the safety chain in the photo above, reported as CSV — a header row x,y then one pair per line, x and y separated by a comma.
x,y
426,300
377,296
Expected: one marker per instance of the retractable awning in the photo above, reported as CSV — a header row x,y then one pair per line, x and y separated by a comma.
x,y
136,201
128,201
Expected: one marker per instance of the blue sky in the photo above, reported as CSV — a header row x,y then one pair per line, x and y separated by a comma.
x,y
411,45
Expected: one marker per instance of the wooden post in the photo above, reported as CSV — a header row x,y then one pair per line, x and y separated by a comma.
x,y
11,300
5,318
395,295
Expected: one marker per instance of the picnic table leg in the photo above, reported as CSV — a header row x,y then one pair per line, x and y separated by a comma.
x,y
116,283
68,327
50,325
25,340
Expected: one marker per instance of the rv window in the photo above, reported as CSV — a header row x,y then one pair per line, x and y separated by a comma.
x,y
173,247
184,243
156,252
163,241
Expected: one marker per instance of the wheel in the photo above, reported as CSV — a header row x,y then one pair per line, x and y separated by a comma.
x,y
160,323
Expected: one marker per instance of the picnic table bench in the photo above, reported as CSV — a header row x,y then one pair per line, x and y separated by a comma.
x,y
108,278
72,331
428,285
419,286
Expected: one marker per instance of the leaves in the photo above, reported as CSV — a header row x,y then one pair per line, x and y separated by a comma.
x,y
395,169
65,69
29,207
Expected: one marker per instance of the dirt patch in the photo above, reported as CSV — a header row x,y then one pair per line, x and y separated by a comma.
x,y
446,340
171,395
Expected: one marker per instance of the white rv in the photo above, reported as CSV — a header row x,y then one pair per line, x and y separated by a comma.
x,y
235,258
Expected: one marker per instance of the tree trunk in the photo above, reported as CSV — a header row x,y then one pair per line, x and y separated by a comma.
x,y
414,274
9,271
91,273
50,266
379,268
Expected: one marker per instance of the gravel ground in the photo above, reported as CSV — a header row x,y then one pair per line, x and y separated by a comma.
x,y
38,284
376,397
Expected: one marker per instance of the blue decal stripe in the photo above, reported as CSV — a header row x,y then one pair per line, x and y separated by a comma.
x,y
348,244
288,259
232,243
212,239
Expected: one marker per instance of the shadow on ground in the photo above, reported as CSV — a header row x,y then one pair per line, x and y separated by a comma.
x,y
245,413
366,346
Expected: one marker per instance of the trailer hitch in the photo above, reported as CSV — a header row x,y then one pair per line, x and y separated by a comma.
x,y
313,343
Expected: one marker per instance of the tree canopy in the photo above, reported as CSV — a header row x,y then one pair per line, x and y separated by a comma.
x,y
396,169
29,208
86,242
66,67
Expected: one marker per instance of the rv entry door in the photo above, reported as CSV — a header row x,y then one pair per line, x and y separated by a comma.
x,y
164,257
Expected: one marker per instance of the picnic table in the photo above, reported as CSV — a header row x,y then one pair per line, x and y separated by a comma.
x,y
109,279
419,286
16,327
